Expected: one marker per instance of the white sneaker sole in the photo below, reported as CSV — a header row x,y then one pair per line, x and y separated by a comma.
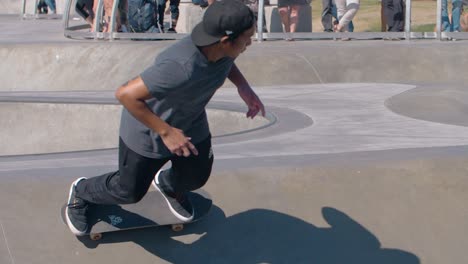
x,y
181,217
75,231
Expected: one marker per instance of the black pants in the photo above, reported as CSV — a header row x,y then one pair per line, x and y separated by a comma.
x,y
393,11
131,182
327,16
173,5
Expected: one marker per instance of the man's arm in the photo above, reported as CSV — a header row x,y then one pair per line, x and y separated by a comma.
x,y
246,93
132,96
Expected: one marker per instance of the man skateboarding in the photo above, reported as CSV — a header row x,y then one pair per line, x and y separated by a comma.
x,y
164,118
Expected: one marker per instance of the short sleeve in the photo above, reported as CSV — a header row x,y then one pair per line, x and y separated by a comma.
x,y
164,77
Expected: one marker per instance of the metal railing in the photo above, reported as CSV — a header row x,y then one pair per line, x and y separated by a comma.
x,y
112,34
71,31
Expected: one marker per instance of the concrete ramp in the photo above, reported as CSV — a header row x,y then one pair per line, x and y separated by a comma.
x,y
39,128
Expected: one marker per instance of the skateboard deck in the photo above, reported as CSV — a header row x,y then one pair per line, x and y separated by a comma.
x,y
151,211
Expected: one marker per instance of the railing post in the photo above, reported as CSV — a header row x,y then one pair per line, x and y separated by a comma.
x,y
408,20
35,7
23,9
115,6
439,19
261,6
66,14
98,18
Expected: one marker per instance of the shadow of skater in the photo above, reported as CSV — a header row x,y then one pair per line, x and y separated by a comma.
x,y
265,236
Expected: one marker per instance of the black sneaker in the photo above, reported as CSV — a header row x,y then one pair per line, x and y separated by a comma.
x,y
76,212
179,205
171,30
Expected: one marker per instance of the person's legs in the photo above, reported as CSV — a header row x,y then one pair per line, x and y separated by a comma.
x,y
456,12
123,11
174,5
393,10
383,19
445,18
327,15
350,11
351,26
161,9
42,7
294,18
51,5
188,173
84,9
334,11
340,11
185,175
399,17
389,13
284,14
127,185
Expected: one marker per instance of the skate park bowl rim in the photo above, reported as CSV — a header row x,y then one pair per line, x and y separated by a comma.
x,y
41,128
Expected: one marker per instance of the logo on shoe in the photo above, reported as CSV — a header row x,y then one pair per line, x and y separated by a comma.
x,y
210,154
115,220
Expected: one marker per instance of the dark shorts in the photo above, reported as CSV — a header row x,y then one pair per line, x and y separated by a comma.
x,y
284,3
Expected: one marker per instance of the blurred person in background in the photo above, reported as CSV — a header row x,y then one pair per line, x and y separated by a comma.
x,y
451,24
44,5
289,12
393,11
346,10
174,11
328,13
84,8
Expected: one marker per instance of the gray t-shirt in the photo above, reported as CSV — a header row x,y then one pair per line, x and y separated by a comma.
x,y
182,81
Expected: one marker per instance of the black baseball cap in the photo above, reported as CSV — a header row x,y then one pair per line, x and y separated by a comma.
x,y
222,18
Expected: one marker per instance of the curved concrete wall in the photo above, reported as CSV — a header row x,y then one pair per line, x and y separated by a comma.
x,y
35,128
105,66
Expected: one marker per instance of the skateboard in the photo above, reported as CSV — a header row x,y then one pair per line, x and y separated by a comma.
x,y
151,211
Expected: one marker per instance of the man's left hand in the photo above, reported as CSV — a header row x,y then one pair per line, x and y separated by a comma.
x,y
252,101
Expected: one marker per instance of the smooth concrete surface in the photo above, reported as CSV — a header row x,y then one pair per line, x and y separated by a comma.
x,y
357,167
107,65
437,103
37,128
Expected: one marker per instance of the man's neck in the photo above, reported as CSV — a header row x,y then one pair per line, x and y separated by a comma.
x,y
212,53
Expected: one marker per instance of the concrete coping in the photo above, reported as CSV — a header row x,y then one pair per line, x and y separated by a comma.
x,y
52,127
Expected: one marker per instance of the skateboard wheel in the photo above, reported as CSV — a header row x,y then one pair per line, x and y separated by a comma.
x,y
177,227
95,236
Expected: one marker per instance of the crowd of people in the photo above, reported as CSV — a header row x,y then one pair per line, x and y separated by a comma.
x,y
337,15
136,15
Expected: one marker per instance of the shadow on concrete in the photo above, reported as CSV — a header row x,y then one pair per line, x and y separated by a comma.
x,y
264,236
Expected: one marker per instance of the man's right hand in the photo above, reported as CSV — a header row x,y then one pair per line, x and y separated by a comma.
x,y
178,143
